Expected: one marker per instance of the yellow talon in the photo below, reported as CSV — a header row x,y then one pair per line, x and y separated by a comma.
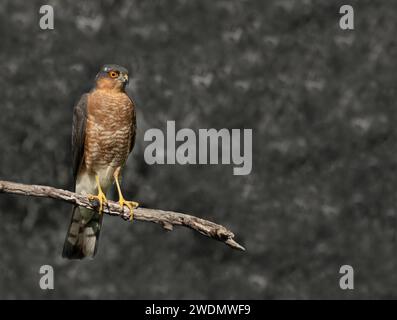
x,y
130,204
101,197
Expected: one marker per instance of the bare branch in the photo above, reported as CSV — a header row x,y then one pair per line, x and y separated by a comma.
x,y
167,219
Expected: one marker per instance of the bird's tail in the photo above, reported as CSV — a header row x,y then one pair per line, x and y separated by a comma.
x,y
83,235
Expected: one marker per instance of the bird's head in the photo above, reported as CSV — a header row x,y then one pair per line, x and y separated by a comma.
x,y
112,77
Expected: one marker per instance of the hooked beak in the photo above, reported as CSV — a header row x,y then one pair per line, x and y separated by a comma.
x,y
125,78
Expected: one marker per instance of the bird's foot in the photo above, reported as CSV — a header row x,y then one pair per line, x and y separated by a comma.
x,y
130,204
101,198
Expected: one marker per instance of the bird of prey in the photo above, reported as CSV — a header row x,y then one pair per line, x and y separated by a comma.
x,y
103,135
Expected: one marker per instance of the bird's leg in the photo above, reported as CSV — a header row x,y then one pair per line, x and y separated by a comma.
x,y
101,197
130,204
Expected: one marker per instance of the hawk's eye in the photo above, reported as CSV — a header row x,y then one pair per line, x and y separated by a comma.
x,y
113,74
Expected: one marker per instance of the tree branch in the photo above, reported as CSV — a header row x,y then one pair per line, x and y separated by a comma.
x,y
167,219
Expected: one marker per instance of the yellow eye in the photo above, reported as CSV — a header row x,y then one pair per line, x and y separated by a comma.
x,y
113,74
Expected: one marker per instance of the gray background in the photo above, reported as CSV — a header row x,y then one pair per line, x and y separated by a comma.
x,y
320,101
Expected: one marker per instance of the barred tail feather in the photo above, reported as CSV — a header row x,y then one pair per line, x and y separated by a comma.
x,y
83,235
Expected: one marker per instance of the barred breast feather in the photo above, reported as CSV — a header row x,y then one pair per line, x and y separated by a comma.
x,y
109,130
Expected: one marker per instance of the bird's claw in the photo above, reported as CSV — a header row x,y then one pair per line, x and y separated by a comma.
x,y
101,198
130,204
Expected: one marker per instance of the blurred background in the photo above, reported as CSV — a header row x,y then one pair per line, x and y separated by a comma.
x,y
320,101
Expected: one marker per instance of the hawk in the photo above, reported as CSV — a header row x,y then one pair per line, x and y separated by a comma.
x,y
103,135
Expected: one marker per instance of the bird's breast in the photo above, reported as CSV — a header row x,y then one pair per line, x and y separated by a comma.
x,y
108,130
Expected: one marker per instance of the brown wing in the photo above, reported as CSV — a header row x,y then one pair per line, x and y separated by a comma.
x,y
78,133
133,126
